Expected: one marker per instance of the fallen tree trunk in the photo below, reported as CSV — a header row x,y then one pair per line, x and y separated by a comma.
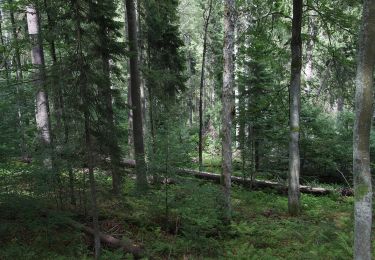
x,y
259,184
128,246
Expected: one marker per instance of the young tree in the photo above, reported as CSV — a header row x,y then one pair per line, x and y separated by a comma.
x,y
361,135
139,152
227,100
295,109
107,48
86,99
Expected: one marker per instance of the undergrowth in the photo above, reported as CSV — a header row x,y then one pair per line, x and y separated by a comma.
x,y
185,226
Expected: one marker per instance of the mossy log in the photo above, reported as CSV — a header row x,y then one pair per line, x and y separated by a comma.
x,y
255,183
126,245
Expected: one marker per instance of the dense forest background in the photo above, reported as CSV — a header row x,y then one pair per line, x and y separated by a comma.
x,y
111,109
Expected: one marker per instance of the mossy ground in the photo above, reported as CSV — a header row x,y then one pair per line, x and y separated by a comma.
x,y
191,227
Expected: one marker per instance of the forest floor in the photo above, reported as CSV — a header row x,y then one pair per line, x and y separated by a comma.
x,y
179,221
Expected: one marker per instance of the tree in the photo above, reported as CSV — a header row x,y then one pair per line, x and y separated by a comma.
x,y
42,107
201,89
227,100
295,109
107,48
139,152
361,134
86,99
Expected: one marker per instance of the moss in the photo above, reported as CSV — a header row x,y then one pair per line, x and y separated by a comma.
x,y
360,191
295,129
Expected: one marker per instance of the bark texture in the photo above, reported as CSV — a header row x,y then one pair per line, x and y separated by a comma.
x,y
295,108
201,89
361,134
37,55
139,153
227,100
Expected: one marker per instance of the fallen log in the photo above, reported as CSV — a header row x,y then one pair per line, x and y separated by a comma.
x,y
256,183
126,245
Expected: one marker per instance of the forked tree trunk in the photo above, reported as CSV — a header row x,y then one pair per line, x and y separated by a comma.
x,y
139,152
201,88
295,108
361,142
228,87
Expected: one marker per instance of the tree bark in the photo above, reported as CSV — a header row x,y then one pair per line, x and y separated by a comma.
x,y
129,99
42,106
361,135
227,100
201,88
139,152
295,108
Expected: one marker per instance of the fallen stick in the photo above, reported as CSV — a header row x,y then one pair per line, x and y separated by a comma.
x,y
243,181
128,246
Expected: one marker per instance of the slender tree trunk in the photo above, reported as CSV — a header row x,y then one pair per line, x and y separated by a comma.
x,y
361,142
19,77
42,106
56,80
84,95
129,99
201,88
309,65
3,43
139,152
113,144
295,107
228,87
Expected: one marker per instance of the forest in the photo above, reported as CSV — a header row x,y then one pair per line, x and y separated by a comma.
x,y
186,129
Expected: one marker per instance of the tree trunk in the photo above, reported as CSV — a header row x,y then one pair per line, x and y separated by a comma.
x,y
19,77
201,88
129,98
228,87
136,97
113,144
84,95
361,133
295,107
42,106
309,65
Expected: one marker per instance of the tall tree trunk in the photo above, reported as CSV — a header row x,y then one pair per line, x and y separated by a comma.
x,y
309,65
113,144
361,142
295,108
19,77
201,88
3,43
228,87
42,106
129,98
139,152
84,95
